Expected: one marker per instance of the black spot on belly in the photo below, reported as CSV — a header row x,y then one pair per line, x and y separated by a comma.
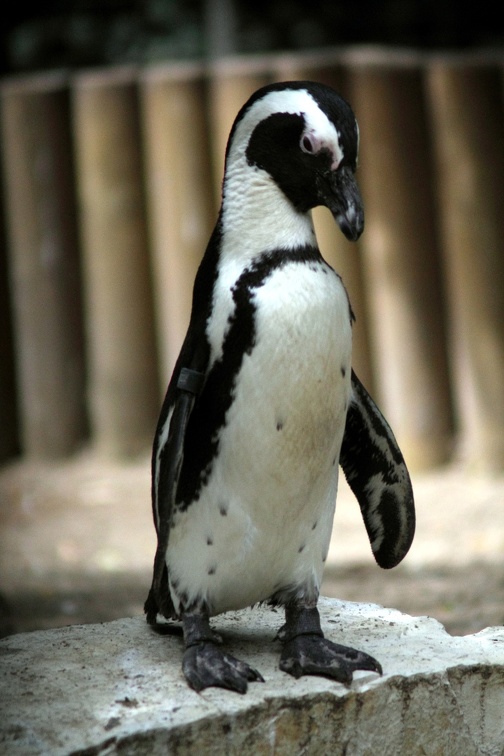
x,y
211,570
343,371
279,425
209,541
223,509
301,548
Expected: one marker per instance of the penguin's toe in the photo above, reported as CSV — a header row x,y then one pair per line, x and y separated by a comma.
x,y
314,655
205,665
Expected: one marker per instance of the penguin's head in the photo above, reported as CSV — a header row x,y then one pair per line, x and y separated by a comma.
x,y
304,136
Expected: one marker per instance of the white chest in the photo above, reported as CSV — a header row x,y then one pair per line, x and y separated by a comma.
x,y
294,385
263,520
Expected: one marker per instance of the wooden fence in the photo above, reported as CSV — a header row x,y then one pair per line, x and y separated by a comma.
x,y
111,188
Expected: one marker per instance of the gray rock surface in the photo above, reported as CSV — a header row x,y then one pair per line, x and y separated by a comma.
x,y
118,688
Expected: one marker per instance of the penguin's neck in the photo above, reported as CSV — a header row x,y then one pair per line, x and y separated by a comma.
x,y
257,217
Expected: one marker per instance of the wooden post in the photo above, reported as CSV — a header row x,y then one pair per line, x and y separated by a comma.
x,y
401,261
123,382
9,440
468,126
44,266
179,193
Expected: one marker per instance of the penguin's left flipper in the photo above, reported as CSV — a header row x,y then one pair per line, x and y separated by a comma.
x,y
377,474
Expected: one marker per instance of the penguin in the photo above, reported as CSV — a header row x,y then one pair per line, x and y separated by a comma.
x,y
263,405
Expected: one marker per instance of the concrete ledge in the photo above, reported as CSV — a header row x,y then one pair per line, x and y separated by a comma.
x,y
118,688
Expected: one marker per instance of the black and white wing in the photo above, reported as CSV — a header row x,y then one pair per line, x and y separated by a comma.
x,y
377,474
167,458
169,441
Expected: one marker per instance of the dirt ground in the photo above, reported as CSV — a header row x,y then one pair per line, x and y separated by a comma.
x,y
77,542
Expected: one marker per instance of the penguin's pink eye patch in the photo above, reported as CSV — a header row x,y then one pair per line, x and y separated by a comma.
x,y
311,143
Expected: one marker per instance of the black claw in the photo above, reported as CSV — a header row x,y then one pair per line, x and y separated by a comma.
x,y
314,655
204,666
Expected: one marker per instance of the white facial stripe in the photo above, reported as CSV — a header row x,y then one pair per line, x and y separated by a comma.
x,y
323,134
321,130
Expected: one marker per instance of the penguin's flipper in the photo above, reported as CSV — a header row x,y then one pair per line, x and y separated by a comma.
x,y
167,462
377,474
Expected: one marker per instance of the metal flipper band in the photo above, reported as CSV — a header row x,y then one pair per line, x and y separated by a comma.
x,y
190,381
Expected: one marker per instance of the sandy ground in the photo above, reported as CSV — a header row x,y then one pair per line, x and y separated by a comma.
x,y
77,543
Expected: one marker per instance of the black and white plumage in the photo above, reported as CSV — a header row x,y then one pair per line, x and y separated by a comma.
x,y
263,402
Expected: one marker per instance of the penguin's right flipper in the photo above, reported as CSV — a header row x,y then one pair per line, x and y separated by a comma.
x,y
168,458
377,474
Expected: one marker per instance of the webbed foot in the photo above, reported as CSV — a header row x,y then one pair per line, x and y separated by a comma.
x,y
205,665
306,651
313,655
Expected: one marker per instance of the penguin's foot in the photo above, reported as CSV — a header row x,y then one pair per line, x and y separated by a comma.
x,y
313,655
205,665
306,651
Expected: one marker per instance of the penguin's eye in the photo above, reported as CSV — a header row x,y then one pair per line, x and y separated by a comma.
x,y
307,144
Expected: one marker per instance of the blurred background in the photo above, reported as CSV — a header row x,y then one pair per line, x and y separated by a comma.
x,y
114,118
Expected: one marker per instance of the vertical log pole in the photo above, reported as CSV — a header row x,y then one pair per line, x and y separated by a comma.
x,y
468,125
179,192
9,440
123,383
44,266
401,261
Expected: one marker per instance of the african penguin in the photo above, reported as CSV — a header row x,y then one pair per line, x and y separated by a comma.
x,y
263,403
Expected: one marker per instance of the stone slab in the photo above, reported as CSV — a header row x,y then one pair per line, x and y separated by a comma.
x,y
118,688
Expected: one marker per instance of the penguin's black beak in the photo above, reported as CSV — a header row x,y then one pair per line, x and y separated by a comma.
x,y
339,192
